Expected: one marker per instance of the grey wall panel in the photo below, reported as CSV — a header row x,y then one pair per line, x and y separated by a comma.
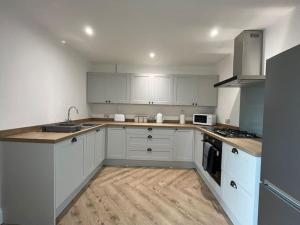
x,y
252,108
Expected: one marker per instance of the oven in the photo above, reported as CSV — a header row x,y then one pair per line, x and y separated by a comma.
x,y
212,157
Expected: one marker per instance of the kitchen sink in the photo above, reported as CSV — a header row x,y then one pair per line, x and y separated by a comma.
x,y
64,127
88,124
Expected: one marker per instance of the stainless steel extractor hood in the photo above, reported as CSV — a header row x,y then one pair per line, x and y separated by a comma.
x,y
247,61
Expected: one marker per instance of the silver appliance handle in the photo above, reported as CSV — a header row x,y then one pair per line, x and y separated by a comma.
x,y
288,199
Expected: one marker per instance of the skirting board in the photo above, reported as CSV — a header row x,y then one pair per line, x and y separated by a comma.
x,y
148,163
1,216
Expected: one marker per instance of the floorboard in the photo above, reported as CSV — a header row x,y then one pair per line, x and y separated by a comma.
x,y
145,196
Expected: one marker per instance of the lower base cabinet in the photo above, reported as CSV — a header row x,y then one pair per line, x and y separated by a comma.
x,y
237,200
183,145
116,143
99,146
149,146
69,167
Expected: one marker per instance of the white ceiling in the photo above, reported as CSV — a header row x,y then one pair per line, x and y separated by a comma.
x,y
176,30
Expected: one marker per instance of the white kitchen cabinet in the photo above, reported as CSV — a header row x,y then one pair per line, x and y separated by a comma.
x,y
96,88
89,153
107,88
140,89
207,95
99,146
69,167
149,146
196,90
152,89
240,184
116,143
117,90
162,89
238,201
198,149
186,90
183,145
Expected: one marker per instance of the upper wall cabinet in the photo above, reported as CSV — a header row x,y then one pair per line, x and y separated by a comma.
x,y
152,89
196,90
107,88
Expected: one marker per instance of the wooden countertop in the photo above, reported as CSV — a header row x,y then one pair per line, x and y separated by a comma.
x,y
251,146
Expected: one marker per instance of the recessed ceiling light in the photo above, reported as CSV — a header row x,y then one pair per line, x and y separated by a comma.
x,y
214,32
89,31
152,55
63,42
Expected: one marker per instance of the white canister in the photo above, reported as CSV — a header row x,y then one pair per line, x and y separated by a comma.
x,y
159,118
182,119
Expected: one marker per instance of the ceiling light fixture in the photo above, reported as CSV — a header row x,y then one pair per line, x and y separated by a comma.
x,y
63,42
214,32
89,30
152,55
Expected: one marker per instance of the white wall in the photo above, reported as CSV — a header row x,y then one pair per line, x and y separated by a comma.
x,y
282,35
39,77
228,98
170,112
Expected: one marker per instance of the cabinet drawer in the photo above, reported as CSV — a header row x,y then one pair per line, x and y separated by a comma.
x,y
150,130
149,155
137,141
238,201
160,143
240,166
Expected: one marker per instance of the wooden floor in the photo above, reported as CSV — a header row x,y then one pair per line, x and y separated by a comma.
x,y
145,196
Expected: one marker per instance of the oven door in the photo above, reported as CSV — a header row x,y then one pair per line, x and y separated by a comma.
x,y
200,119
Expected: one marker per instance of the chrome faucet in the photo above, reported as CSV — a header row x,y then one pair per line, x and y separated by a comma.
x,y
69,112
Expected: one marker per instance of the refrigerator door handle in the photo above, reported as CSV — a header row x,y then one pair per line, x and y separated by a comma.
x,y
282,195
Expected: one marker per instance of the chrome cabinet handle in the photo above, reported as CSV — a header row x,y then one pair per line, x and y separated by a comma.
x,y
74,140
149,149
149,129
149,136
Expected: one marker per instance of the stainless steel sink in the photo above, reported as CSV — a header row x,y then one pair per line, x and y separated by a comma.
x,y
64,127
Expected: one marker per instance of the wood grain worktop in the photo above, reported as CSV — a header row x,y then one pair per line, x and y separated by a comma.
x,y
251,146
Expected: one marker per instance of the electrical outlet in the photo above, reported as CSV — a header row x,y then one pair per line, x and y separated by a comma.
x,y
227,121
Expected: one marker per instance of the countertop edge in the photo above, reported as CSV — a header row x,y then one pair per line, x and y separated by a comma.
x,y
132,124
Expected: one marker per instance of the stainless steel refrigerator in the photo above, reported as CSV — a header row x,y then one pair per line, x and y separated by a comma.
x,y
279,202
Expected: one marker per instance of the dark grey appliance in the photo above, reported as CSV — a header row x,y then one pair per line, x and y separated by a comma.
x,y
279,202
212,157
247,62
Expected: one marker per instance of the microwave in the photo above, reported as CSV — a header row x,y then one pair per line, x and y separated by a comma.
x,y
205,119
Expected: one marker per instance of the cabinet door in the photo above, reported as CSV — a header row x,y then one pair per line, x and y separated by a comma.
x,y
183,145
96,88
186,90
162,89
238,201
69,168
116,143
198,150
99,146
207,95
140,89
89,153
117,89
